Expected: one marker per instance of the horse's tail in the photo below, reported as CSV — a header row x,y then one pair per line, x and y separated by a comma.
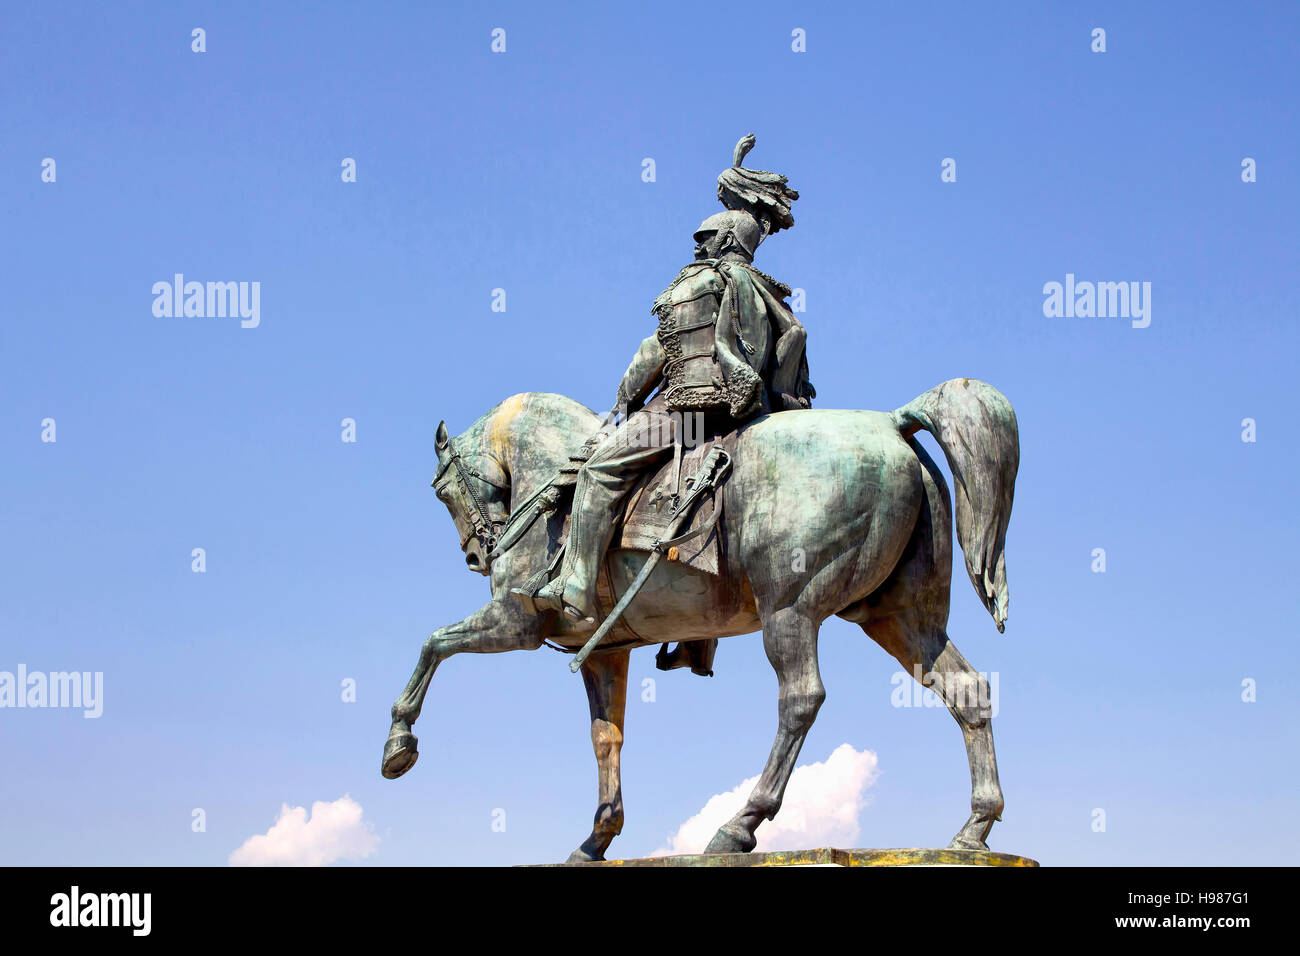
x,y
975,426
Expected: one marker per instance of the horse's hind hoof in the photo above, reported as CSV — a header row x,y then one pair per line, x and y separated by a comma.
x,y
400,754
731,839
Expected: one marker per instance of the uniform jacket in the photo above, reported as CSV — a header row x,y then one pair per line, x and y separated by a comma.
x,y
757,344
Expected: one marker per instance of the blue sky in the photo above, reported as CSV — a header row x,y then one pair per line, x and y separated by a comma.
x,y
329,561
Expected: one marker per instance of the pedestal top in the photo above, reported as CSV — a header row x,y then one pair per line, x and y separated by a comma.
x,y
830,856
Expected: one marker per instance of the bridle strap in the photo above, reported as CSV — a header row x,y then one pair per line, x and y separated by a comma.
x,y
484,526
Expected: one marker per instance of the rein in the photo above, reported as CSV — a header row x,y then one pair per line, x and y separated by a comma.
x,y
496,537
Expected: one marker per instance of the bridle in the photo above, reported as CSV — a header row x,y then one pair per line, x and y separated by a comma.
x,y
484,528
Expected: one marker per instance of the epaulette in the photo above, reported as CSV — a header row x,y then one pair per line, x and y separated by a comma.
x,y
775,285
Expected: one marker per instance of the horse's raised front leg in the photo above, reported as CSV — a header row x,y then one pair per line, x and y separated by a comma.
x,y
605,675
496,627
790,639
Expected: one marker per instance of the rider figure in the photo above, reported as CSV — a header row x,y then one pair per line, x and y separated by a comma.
x,y
727,346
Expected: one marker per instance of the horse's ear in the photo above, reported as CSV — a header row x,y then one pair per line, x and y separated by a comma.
x,y
440,440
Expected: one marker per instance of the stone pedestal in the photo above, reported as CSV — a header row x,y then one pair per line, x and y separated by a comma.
x,y
828,856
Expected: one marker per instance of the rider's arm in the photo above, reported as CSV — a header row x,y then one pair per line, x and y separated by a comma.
x,y
790,362
643,374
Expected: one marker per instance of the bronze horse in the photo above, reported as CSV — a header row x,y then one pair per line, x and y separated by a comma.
x,y
827,512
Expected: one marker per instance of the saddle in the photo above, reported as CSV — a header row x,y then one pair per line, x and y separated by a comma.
x,y
653,516
648,511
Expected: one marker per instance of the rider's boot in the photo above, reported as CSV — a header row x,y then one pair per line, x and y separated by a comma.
x,y
603,482
571,599
573,592
697,655
701,654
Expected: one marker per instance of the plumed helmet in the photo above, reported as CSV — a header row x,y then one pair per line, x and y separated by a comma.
x,y
764,195
744,231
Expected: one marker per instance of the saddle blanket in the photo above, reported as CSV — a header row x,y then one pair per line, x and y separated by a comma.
x,y
647,514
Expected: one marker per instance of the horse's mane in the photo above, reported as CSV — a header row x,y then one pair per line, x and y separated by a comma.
x,y
530,432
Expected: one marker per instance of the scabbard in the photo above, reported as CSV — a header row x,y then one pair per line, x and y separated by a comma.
x,y
594,641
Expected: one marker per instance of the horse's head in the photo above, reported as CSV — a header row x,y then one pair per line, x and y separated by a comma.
x,y
521,442
476,490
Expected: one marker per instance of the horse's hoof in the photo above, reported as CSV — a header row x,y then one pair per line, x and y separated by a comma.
x,y
965,844
582,856
730,839
400,754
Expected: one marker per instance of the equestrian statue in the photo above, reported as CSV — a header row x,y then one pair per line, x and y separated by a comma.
x,y
713,501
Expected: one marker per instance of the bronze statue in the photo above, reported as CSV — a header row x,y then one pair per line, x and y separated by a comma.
x,y
793,514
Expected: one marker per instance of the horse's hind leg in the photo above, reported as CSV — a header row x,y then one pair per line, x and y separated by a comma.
x,y
966,692
605,675
790,639
932,658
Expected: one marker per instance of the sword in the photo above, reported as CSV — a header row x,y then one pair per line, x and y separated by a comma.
x,y
715,466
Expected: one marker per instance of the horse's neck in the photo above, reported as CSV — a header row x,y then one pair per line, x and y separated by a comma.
x,y
539,438
532,443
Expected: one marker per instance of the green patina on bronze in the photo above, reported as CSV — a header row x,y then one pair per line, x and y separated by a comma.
x,y
826,512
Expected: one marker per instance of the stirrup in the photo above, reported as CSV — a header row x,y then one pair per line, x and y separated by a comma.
x,y
549,598
527,592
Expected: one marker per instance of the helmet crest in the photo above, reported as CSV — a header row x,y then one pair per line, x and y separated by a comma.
x,y
764,196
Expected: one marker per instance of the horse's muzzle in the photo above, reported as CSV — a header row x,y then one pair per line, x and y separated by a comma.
x,y
474,558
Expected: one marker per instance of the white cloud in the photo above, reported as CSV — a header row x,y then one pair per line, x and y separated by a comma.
x,y
334,832
821,807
